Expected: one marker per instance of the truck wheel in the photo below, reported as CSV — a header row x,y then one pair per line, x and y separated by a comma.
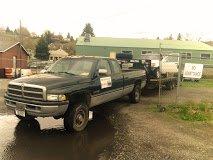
x,y
135,96
76,117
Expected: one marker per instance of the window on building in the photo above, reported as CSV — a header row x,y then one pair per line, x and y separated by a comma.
x,y
186,56
127,52
204,56
145,52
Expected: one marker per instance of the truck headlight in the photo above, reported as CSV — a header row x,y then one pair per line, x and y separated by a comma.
x,y
55,97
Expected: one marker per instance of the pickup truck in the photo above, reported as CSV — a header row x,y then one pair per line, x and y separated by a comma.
x,y
71,87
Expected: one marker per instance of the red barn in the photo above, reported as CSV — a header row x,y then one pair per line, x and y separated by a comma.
x,y
10,51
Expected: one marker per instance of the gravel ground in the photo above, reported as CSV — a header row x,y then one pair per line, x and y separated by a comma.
x,y
141,133
3,87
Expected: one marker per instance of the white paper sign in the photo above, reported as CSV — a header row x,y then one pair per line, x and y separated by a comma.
x,y
106,82
193,70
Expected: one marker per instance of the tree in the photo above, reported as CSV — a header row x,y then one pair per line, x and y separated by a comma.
x,y
8,31
69,47
48,36
88,30
42,51
68,35
170,37
24,31
158,38
179,37
16,32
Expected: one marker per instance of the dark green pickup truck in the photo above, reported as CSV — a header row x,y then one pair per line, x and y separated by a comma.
x,y
70,87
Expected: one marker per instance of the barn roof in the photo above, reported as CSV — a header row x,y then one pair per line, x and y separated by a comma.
x,y
6,45
144,43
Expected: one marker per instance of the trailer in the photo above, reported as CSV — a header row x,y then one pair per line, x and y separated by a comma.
x,y
154,78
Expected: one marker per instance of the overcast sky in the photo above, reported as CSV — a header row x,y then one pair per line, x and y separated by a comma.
x,y
115,18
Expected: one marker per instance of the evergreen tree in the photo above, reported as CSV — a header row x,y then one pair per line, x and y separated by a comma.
x,y
179,37
68,35
88,30
16,32
48,36
170,37
42,51
8,31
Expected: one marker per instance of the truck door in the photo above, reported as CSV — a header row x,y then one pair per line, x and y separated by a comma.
x,y
105,85
117,77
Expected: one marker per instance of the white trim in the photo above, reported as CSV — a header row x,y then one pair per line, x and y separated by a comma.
x,y
14,46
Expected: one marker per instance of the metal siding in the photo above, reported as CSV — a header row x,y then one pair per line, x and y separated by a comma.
x,y
105,51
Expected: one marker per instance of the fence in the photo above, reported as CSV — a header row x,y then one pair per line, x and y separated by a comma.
x,y
176,87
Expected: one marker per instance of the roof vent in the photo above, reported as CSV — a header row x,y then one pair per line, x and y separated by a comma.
x,y
87,37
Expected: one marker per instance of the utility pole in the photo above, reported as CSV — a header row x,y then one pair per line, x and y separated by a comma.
x,y
20,37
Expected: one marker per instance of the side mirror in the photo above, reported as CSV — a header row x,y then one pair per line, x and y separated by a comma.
x,y
102,72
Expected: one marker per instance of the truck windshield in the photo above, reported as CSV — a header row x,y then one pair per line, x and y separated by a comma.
x,y
75,66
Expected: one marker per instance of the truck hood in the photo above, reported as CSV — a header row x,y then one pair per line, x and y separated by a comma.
x,y
52,81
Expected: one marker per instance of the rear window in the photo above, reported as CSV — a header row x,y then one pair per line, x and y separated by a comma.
x,y
116,67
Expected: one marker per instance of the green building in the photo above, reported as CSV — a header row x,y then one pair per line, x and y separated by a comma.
x,y
192,51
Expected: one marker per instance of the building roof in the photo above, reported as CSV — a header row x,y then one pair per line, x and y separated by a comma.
x,y
144,43
6,45
59,53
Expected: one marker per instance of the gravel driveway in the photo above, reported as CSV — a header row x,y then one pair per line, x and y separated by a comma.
x,y
141,133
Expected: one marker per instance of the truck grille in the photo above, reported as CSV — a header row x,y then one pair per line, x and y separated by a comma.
x,y
27,91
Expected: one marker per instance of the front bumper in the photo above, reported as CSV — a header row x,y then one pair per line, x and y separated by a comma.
x,y
36,108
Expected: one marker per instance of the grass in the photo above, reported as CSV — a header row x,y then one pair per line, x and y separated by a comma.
x,y
204,83
191,111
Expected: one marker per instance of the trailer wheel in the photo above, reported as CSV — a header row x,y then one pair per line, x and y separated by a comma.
x,y
135,95
76,118
169,86
173,84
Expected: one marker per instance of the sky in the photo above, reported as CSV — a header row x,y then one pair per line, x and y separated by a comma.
x,y
112,18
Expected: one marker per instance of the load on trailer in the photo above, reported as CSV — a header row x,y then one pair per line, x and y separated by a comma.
x,y
151,64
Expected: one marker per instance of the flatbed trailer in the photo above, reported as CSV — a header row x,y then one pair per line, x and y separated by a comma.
x,y
169,83
153,77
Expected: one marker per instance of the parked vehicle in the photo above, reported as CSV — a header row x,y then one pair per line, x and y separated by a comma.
x,y
71,87
169,63
152,71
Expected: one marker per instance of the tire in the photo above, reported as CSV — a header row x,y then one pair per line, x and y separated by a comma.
x,y
135,95
169,86
76,118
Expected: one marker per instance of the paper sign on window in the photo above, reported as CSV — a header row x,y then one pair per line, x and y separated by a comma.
x,y
106,82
